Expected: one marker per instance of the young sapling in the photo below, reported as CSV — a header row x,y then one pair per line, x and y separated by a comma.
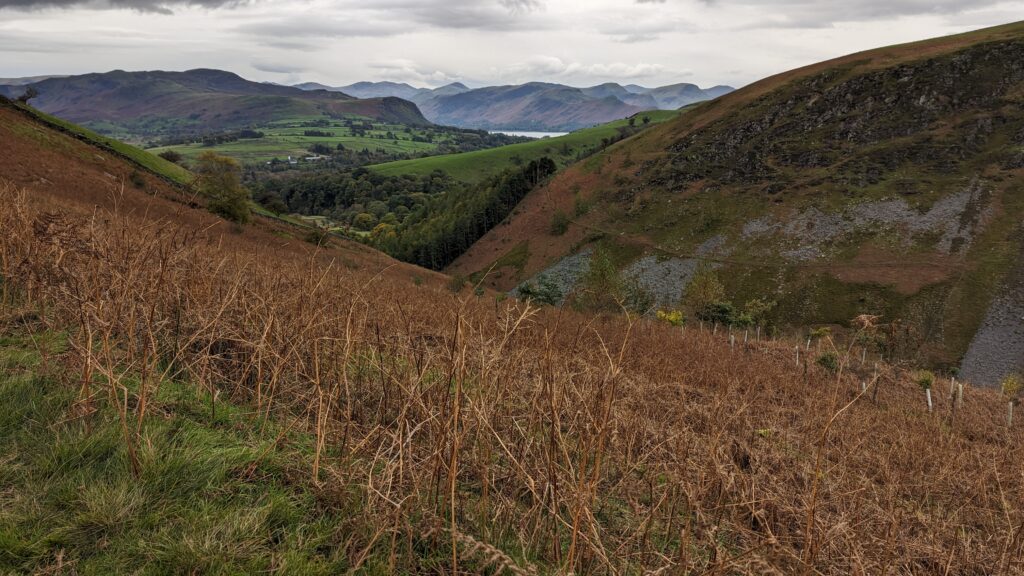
x,y
1011,386
925,379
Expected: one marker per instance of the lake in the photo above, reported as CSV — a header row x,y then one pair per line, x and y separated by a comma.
x,y
529,134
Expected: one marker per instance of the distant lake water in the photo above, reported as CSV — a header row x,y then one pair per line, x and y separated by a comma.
x,y
529,134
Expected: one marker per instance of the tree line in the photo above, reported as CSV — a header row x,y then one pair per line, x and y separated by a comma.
x,y
427,220
453,221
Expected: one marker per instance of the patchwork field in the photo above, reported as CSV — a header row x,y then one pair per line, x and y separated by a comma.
x,y
295,137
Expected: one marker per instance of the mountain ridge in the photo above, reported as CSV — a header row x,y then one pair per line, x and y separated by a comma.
x,y
524,107
154,103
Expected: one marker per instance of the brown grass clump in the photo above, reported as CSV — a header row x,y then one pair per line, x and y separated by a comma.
x,y
473,435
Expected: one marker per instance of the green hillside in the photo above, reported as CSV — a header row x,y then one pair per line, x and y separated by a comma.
x,y
210,495
185,396
289,137
358,140
152,162
481,164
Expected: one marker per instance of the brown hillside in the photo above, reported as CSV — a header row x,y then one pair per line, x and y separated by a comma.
x,y
63,173
884,182
464,434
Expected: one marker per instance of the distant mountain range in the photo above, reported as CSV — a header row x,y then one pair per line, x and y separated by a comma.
x,y
531,106
156,103
152,104
385,89
25,81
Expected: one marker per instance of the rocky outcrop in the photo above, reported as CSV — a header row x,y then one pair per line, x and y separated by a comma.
x,y
816,122
998,347
563,275
951,223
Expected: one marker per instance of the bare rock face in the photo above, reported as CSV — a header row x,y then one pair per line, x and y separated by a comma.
x,y
954,220
998,347
563,274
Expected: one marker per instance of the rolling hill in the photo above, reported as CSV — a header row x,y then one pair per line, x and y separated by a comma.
x,y
532,106
183,396
679,95
614,90
388,89
536,106
146,105
481,164
25,81
68,168
887,183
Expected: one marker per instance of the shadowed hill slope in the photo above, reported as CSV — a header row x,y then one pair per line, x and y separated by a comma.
x,y
537,106
886,182
532,106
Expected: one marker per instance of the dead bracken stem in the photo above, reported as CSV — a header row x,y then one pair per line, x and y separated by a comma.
x,y
466,434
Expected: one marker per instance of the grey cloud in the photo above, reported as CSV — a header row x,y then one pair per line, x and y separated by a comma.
x,y
498,15
153,6
278,67
395,17
636,38
815,13
520,6
293,29
403,70
291,45
14,42
631,32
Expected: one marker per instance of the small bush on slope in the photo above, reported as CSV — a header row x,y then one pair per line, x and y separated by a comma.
x,y
220,179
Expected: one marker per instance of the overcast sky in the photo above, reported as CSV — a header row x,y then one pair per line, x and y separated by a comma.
x,y
433,42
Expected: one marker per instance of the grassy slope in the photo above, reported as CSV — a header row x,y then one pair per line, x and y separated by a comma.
x,y
213,494
61,167
669,208
147,160
477,165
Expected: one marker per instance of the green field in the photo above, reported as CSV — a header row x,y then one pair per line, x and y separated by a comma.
x,y
215,490
477,165
287,138
147,160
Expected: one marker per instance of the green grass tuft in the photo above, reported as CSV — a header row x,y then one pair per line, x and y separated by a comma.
x,y
68,499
